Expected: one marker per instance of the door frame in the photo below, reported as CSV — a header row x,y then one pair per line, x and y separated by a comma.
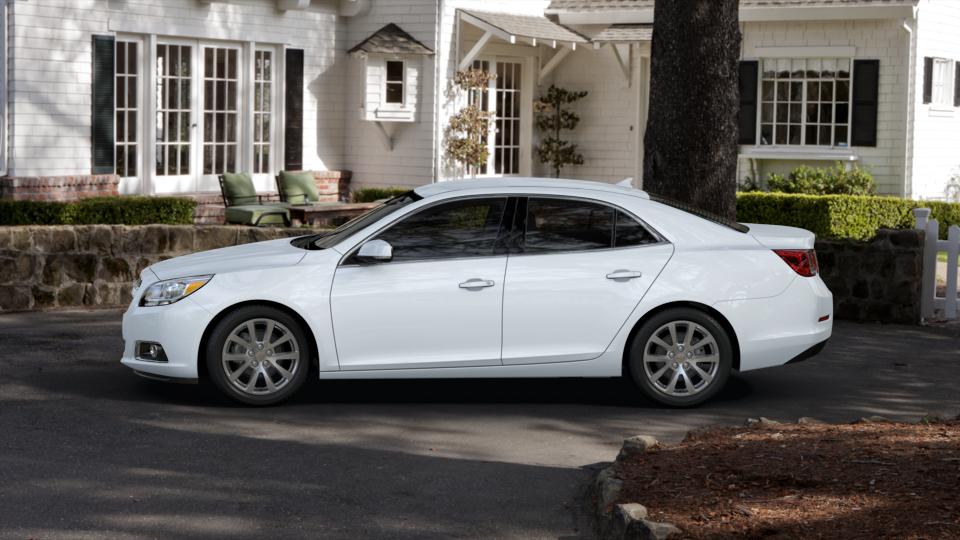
x,y
527,84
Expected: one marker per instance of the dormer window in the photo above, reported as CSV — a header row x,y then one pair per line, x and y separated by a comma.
x,y
394,81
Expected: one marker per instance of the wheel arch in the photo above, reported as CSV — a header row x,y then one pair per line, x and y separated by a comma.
x,y
727,327
311,339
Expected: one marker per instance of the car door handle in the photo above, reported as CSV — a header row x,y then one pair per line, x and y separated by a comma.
x,y
477,284
624,274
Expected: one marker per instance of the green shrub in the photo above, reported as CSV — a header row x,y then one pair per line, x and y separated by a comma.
x,y
841,216
836,180
100,210
372,194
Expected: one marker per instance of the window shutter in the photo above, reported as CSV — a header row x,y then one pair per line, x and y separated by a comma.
x,y
293,115
956,84
866,79
927,79
102,82
749,71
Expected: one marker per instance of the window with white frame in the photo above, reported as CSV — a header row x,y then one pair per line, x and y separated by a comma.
x,y
127,106
805,102
262,111
943,80
394,82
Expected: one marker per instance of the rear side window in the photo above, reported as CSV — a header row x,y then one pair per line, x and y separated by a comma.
x,y
629,232
466,228
566,225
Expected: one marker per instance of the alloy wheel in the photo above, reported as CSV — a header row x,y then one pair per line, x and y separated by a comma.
x,y
681,358
260,357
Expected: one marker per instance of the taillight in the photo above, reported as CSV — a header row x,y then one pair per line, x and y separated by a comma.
x,y
803,261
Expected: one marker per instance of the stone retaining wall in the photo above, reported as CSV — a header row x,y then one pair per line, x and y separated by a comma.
x,y
44,267
877,280
94,265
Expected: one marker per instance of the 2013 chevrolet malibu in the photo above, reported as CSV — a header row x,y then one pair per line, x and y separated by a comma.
x,y
489,278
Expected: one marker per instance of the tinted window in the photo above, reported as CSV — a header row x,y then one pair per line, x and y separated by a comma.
x,y
566,225
630,232
327,240
466,228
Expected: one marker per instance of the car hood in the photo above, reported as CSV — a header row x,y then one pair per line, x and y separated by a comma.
x,y
258,255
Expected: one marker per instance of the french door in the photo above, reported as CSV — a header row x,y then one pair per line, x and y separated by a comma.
x,y
214,111
504,98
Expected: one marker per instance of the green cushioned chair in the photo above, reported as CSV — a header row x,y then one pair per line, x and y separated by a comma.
x,y
297,187
245,207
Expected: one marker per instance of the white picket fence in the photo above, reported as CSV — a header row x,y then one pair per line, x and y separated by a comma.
x,y
931,304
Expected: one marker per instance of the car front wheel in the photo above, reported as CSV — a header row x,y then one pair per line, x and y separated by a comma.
x,y
681,357
258,355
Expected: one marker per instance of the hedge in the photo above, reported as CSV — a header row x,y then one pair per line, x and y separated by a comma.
x,y
100,210
840,216
372,194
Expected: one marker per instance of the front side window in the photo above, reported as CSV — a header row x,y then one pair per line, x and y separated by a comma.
x,y
943,80
805,101
467,228
394,82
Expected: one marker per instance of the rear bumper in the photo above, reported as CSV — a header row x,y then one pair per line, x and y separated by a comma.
x,y
809,353
774,331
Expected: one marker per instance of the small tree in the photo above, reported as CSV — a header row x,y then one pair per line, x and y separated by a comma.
x,y
466,135
551,119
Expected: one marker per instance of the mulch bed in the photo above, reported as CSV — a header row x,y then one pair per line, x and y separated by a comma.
x,y
863,480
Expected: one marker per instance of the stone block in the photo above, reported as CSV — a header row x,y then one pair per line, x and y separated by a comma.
x,y
180,239
44,296
96,239
15,297
80,267
17,267
860,289
55,239
903,237
214,237
21,238
71,295
114,269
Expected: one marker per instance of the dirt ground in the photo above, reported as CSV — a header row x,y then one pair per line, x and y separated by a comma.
x,y
863,480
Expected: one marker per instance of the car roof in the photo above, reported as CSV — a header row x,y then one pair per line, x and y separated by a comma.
x,y
514,182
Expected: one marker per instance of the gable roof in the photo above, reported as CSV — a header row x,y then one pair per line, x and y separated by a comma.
x,y
526,26
391,39
557,6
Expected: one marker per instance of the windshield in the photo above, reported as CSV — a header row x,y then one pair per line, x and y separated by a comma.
x,y
334,237
690,209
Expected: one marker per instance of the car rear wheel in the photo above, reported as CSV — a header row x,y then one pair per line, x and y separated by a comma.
x,y
258,355
681,357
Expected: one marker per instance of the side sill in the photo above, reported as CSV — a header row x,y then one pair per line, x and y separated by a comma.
x,y
176,380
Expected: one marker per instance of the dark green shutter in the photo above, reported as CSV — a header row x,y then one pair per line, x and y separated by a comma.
x,y
956,85
866,80
927,79
749,72
102,83
293,115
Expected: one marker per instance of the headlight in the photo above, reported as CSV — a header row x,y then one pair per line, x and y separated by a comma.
x,y
172,290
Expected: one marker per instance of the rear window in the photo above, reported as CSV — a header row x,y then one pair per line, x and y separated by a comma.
x,y
690,209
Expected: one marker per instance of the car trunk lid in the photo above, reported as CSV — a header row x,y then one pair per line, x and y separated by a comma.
x,y
781,237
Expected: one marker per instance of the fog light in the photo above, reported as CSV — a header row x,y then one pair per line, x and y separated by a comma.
x,y
149,351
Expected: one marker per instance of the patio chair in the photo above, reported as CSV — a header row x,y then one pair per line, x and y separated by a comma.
x,y
245,207
297,187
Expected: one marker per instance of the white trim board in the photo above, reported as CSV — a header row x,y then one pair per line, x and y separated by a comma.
x,y
136,25
801,52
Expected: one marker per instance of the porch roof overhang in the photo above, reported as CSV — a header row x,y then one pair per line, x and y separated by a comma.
x,y
586,12
623,33
531,29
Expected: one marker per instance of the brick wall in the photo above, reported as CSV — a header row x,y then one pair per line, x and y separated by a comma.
x,y
58,188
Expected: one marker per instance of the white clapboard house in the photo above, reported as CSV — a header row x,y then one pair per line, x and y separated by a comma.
x,y
168,94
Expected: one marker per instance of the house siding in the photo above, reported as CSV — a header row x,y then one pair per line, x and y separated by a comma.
x,y
936,130
883,40
49,72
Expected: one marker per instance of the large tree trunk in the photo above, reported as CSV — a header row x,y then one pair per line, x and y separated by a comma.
x,y
690,146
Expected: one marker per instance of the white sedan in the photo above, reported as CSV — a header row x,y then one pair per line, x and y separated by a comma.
x,y
489,278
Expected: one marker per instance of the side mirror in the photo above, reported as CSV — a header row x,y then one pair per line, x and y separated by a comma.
x,y
375,251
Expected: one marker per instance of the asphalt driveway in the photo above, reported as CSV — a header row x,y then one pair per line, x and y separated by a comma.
x,y
87,449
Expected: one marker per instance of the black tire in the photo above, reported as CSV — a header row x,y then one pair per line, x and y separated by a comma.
x,y
641,340
296,344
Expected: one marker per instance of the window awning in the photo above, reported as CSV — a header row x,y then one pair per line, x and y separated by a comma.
x,y
533,29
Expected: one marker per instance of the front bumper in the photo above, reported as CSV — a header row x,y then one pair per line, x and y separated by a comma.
x,y
177,327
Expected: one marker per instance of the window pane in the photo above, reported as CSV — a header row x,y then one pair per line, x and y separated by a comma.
x,y
629,232
794,134
458,229
811,135
394,71
555,225
825,135
394,92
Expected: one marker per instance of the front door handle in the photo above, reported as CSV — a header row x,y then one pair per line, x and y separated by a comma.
x,y
477,283
624,274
